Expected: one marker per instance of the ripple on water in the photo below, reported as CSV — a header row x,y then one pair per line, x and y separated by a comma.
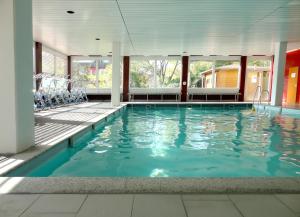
x,y
187,142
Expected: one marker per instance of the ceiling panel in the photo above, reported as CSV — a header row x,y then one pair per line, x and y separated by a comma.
x,y
76,33
154,27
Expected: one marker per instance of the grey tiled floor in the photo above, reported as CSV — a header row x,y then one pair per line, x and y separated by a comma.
x,y
150,205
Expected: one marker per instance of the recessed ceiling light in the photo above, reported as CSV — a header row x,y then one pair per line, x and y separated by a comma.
x,y
97,39
70,12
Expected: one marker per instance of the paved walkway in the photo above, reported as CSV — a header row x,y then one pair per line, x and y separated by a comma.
x,y
54,122
142,205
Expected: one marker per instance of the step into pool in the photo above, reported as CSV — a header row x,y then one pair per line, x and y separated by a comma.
x,y
181,141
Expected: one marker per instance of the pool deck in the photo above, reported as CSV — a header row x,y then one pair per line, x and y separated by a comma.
x,y
57,125
53,123
66,123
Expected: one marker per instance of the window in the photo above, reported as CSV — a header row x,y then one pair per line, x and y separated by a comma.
x,y
54,64
85,71
155,72
214,72
60,66
168,73
258,78
142,73
200,74
105,73
48,65
94,73
227,73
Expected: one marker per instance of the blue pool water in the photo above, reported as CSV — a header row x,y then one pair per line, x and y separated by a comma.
x,y
184,141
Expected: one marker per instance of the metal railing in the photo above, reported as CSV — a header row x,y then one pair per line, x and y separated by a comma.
x,y
259,91
268,96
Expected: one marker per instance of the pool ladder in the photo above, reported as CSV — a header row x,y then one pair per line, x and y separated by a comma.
x,y
259,91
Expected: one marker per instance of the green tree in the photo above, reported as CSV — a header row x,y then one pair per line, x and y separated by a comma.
x,y
196,69
167,73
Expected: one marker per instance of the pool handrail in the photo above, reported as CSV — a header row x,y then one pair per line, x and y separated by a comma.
x,y
257,90
259,101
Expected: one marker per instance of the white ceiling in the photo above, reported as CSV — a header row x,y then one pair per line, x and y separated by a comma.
x,y
167,27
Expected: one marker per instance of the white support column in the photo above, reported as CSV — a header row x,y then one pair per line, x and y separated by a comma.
x,y
278,74
16,71
97,74
116,74
213,75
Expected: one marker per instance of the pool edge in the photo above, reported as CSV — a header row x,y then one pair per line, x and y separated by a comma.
x,y
13,185
73,185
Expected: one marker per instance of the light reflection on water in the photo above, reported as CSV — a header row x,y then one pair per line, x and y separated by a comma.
x,y
188,142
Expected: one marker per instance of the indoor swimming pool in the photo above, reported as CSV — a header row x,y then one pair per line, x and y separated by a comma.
x,y
180,141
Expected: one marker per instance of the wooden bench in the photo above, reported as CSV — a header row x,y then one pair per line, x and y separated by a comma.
x,y
148,93
216,92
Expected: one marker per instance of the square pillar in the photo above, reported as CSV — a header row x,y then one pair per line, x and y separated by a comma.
x,y
278,73
242,78
126,64
184,78
16,62
115,88
69,72
38,63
